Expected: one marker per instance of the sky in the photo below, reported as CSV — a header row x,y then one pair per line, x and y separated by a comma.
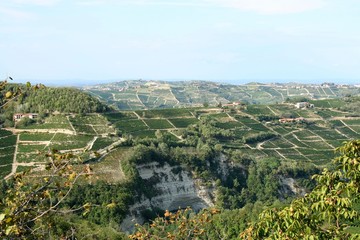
x,y
73,41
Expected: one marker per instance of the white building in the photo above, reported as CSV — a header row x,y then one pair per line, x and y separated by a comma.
x,y
19,116
304,105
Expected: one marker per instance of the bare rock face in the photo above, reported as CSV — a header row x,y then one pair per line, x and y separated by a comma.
x,y
177,189
290,186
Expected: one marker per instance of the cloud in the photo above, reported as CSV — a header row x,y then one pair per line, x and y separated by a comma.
x,y
15,14
36,2
185,3
270,6
17,9
258,6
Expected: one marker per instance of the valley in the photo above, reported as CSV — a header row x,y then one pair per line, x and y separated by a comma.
x,y
312,138
146,159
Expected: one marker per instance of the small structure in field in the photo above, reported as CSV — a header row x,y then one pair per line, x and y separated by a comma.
x,y
233,104
291,120
19,116
304,105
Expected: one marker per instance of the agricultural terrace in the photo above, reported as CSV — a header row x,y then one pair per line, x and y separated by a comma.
x,y
313,139
144,123
254,130
82,134
139,95
7,149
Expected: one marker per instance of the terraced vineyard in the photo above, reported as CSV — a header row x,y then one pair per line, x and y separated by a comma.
x,y
252,130
313,139
134,95
25,147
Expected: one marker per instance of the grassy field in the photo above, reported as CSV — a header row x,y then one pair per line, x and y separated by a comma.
x,y
131,126
117,116
109,169
259,110
7,150
144,134
165,113
37,139
158,123
183,122
51,122
36,136
101,143
4,133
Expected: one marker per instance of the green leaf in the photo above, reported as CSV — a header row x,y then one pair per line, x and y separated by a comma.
x,y
9,229
2,216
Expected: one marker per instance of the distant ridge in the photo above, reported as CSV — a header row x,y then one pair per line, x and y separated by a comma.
x,y
148,94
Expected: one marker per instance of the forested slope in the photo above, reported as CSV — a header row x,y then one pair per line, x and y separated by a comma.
x,y
42,100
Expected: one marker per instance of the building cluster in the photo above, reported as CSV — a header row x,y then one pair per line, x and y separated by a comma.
x,y
19,116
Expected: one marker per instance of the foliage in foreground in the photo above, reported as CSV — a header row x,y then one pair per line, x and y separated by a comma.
x,y
325,213
322,214
183,224
29,204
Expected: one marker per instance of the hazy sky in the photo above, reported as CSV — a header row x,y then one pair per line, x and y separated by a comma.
x,y
180,39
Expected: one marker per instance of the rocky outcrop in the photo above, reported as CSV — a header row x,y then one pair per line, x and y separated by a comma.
x,y
289,186
177,189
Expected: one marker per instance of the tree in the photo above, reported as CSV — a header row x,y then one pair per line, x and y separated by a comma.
x,y
8,95
184,224
29,203
322,214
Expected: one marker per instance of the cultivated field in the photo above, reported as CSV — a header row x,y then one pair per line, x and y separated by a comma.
x,y
313,138
25,147
135,95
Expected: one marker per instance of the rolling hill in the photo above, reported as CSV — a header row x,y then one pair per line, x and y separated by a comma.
x,y
139,94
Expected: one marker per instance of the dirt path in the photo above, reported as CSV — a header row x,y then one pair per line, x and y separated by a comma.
x,y
178,137
332,91
59,130
91,143
280,154
67,117
14,165
307,91
171,123
34,142
302,154
282,95
259,145
348,127
92,126
232,118
137,115
343,134
109,149
296,137
177,101
140,118
272,110
137,96
322,139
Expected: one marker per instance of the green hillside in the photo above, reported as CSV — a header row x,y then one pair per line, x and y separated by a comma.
x,y
139,94
247,157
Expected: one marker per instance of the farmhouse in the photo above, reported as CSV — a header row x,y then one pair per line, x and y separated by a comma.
x,y
19,116
290,120
304,105
233,104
